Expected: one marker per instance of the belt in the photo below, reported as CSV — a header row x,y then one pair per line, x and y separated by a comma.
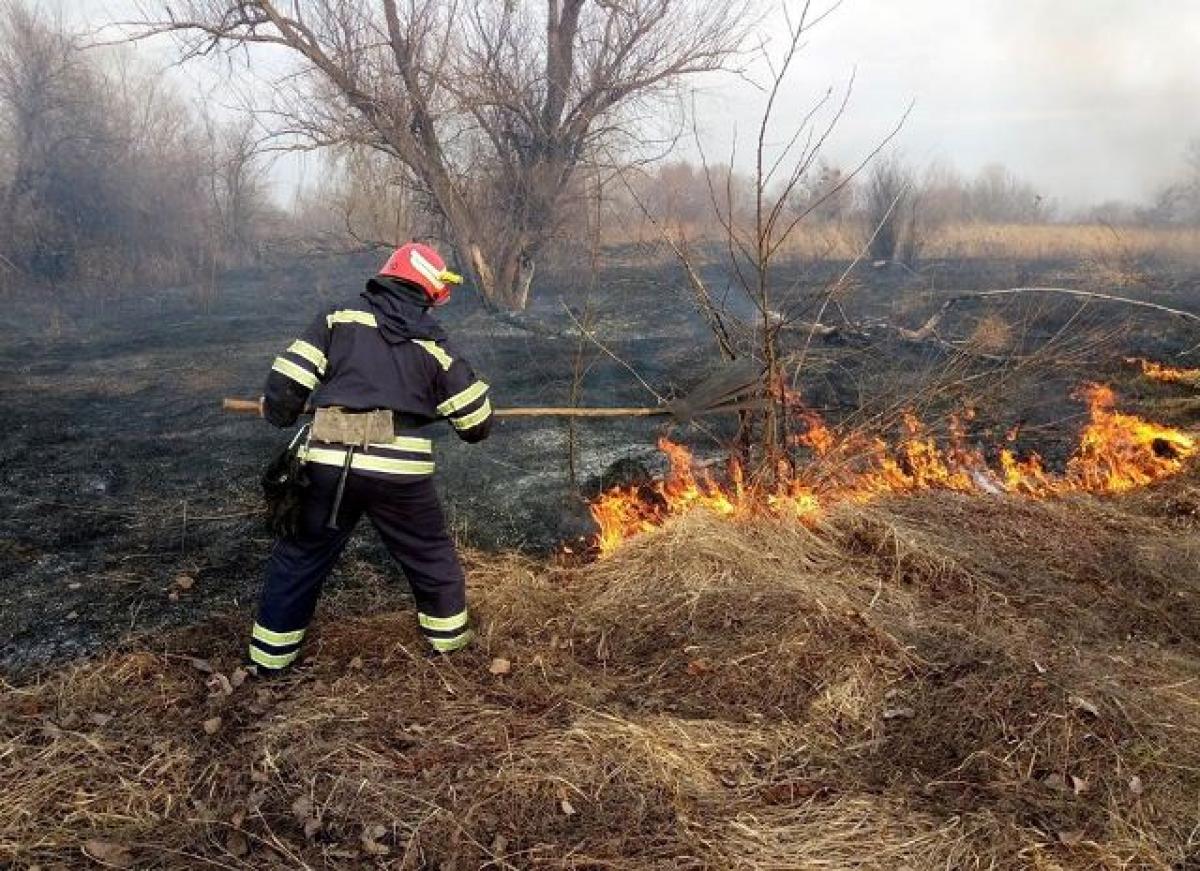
x,y
404,456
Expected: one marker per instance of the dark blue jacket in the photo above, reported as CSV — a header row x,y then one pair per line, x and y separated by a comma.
x,y
383,350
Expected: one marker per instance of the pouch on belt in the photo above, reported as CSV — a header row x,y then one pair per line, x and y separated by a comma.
x,y
358,428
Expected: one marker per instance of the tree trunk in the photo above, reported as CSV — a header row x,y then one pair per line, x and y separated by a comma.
x,y
503,282
517,271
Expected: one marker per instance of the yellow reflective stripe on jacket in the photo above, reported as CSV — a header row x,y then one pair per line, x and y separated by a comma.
x,y
296,373
368,463
442,624
262,633
351,316
445,645
311,353
407,443
459,401
271,660
435,349
474,418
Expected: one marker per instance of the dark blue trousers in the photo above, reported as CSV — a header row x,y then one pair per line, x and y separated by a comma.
x,y
409,519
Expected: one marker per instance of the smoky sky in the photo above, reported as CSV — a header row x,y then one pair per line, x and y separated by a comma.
x,y
1088,99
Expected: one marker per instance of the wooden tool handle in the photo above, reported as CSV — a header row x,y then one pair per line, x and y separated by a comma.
x,y
251,406
555,411
241,406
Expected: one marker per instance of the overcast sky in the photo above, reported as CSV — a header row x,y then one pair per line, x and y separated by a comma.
x,y
1088,99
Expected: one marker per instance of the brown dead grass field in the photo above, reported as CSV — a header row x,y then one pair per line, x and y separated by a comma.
x,y
939,681
1096,242
1116,254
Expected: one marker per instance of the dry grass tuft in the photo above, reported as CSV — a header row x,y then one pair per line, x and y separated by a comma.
x,y
939,681
992,335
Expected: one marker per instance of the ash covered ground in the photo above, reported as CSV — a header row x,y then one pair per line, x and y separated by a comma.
x,y
129,501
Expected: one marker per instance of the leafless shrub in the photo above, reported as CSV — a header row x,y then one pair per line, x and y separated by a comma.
x,y
237,187
890,212
53,130
365,200
758,218
108,176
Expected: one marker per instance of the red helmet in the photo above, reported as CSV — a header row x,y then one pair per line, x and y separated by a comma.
x,y
421,265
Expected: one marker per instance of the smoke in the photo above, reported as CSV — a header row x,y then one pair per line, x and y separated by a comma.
x,y
1089,99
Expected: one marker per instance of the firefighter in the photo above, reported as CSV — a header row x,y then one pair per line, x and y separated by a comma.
x,y
376,371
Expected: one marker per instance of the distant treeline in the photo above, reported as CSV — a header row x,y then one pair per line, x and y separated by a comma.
x,y
107,174
900,209
367,200
685,191
940,194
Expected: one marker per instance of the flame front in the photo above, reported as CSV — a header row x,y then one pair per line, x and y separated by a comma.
x,y
1167,374
1116,453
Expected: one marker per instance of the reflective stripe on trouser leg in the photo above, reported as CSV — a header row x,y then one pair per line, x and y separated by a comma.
x,y
409,519
274,650
446,634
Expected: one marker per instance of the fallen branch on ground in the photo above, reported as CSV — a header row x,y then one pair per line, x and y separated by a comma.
x,y
927,332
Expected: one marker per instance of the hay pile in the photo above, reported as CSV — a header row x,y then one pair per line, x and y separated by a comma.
x,y
941,681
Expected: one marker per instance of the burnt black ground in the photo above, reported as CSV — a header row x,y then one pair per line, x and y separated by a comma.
x,y
119,472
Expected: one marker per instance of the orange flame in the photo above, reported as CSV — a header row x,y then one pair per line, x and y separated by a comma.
x,y
1167,374
1116,453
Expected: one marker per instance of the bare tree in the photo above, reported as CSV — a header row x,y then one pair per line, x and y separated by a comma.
x,y
105,173
493,106
999,196
51,129
237,185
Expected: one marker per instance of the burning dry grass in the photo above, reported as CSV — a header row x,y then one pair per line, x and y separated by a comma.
x,y
937,680
1160,372
1116,452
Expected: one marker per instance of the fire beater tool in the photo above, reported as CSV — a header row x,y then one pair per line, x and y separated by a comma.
x,y
733,387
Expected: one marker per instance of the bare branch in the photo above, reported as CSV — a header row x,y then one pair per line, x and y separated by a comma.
x,y
929,328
